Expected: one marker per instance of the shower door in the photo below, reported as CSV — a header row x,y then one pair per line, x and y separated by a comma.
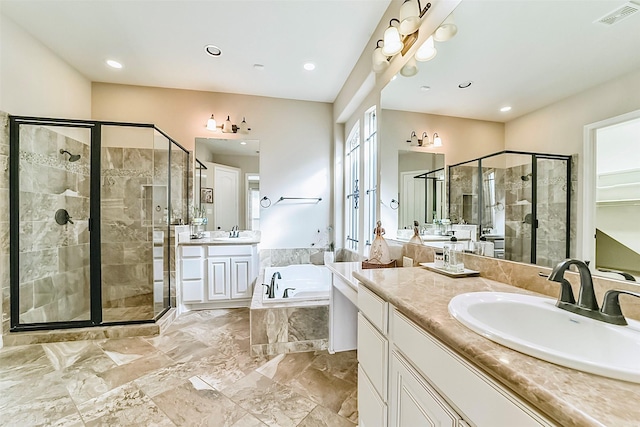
x,y
50,231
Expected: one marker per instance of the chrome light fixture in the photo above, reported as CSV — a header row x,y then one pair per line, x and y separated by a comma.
x,y
446,30
379,59
427,51
392,43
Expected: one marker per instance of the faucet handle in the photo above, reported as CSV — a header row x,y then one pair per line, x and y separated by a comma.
x,y
611,306
286,292
566,293
267,286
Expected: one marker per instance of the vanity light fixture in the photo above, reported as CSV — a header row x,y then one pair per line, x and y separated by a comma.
x,y
414,141
446,31
227,126
379,60
410,13
427,51
410,68
392,43
437,142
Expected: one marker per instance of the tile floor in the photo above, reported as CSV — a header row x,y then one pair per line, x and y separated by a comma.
x,y
199,372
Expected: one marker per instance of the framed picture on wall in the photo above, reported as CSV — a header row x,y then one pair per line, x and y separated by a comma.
x,y
206,195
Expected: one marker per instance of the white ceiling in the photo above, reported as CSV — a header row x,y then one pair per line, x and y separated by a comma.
x,y
525,53
161,43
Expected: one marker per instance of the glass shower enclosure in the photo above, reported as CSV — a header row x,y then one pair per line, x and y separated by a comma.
x,y
91,209
519,200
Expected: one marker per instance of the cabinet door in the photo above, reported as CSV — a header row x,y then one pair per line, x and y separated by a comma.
x,y
219,278
193,291
413,402
372,412
372,355
241,277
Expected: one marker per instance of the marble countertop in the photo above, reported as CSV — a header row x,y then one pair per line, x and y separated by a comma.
x,y
345,271
567,396
220,241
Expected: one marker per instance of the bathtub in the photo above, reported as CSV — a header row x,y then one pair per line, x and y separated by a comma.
x,y
304,281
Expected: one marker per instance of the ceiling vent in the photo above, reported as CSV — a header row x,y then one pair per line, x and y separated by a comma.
x,y
618,14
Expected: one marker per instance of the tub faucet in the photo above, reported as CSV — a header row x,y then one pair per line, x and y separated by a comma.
x,y
271,288
286,292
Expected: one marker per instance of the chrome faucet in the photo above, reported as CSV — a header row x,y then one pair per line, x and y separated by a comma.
x,y
235,232
587,304
271,288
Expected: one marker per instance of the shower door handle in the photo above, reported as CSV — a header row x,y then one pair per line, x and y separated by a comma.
x,y
62,217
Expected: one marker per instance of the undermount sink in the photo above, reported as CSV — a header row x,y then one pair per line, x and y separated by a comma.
x,y
535,326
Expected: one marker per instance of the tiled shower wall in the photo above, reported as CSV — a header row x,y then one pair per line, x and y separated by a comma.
x,y
130,194
54,259
4,222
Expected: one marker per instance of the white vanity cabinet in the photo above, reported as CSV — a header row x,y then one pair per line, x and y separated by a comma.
x,y
218,275
428,383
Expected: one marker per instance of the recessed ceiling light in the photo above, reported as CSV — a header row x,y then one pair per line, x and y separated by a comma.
x,y
309,66
505,109
465,85
394,77
258,67
243,143
114,64
212,50
425,88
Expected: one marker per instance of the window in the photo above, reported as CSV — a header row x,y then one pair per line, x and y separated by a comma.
x,y
352,173
370,173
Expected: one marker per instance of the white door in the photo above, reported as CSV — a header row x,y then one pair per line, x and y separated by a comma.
x,y
226,197
412,199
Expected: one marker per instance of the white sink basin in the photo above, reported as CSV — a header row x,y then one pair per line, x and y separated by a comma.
x,y
232,239
535,326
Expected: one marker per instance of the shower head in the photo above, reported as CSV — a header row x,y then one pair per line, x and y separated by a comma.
x,y
72,157
525,177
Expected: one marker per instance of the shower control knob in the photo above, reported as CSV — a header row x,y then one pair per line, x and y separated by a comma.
x,y
62,217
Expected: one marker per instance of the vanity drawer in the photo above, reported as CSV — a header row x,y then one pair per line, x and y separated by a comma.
x,y
374,308
373,355
458,380
192,251
228,250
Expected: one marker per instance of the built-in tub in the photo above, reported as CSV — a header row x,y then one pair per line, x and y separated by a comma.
x,y
304,281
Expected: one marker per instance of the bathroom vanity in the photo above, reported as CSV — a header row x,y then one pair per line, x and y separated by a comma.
x,y
418,365
217,272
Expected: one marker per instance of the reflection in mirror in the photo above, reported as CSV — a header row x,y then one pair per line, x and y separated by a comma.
x,y
199,176
524,200
230,182
420,187
617,252
540,73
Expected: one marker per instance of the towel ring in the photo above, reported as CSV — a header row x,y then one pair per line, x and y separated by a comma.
x,y
394,204
265,202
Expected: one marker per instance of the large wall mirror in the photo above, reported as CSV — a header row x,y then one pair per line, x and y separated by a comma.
x,y
528,55
227,182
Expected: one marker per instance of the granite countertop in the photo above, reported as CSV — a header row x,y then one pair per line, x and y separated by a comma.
x,y
566,396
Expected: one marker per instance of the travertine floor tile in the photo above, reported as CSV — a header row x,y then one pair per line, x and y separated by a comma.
x,y
321,417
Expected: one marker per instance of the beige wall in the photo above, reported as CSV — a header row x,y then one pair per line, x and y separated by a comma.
x,y
36,82
295,146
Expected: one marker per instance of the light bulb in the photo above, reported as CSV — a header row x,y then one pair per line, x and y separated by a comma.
x,y
392,43
211,123
410,68
227,127
409,19
427,51
437,142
